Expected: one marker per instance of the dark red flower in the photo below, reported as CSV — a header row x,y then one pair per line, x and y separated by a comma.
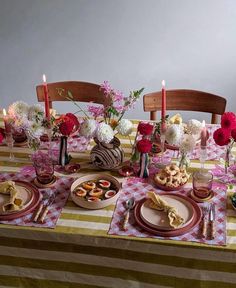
x,y
145,128
144,145
233,134
222,136
66,127
73,118
1,137
228,120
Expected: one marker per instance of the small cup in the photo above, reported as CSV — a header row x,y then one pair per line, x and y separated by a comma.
x,y
44,171
202,184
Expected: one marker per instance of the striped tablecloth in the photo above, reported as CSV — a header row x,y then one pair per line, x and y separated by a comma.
x,y
80,253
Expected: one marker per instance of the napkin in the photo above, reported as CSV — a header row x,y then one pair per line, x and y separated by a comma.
x,y
14,203
156,202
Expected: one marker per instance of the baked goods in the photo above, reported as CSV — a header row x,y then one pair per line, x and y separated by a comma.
x,y
95,190
14,203
171,176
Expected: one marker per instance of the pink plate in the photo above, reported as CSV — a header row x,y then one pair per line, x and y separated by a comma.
x,y
36,197
166,188
197,215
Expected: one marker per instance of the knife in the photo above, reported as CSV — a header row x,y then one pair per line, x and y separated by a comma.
x,y
212,214
46,208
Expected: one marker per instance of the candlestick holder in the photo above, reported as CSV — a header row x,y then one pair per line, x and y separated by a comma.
x,y
161,161
10,143
203,156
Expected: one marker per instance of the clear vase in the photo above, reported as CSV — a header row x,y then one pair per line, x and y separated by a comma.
x,y
64,157
143,170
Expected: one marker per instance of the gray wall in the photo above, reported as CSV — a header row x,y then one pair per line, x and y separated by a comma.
x,y
189,43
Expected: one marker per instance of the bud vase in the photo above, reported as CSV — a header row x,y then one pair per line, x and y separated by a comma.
x,y
64,158
143,170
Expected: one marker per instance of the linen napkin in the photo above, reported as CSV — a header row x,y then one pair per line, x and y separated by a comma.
x,y
156,202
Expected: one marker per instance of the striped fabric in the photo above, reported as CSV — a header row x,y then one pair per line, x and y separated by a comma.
x,y
80,253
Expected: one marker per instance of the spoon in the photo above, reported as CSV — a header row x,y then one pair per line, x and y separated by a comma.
x,y
129,204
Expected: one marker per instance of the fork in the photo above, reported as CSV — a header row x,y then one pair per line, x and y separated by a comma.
x,y
205,210
40,207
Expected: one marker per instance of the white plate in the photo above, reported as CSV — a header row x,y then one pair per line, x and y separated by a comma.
x,y
25,193
159,219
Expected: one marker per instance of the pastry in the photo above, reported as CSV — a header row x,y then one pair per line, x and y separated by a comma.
x,y
96,192
89,185
14,203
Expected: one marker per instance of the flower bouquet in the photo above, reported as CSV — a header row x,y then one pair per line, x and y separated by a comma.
x,y
226,135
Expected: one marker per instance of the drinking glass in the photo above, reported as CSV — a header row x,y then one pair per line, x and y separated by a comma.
x,y
202,183
10,143
44,170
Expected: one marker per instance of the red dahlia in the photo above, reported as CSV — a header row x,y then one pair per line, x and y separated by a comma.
x,y
73,118
66,127
145,128
144,145
222,136
233,134
228,120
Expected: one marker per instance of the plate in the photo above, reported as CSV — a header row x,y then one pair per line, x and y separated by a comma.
x,y
159,219
197,215
200,200
24,192
36,197
166,188
80,201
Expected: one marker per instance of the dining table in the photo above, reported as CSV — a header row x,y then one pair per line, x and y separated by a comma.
x,y
86,248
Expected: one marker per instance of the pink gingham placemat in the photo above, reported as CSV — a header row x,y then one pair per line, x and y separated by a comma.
x,y
137,188
61,189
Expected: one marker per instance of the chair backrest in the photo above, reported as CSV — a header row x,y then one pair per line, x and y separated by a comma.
x,y
81,91
185,100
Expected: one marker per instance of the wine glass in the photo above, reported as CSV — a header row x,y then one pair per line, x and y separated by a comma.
x,y
10,143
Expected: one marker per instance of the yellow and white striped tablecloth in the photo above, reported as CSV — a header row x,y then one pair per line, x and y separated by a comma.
x,y
80,253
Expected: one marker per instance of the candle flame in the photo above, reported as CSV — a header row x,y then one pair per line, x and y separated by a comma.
x,y
44,78
4,112
163,83
203,123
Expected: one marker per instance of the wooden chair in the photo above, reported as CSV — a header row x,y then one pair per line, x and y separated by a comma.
x,y
185,100
81,91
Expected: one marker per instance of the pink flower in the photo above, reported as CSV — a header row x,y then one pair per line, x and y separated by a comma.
x,y
228,120
96,111
117,96
222,136
106,88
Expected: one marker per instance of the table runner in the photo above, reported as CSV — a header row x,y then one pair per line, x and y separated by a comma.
x,y
61,188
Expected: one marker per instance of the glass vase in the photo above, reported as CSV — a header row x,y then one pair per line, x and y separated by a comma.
x,y
143,169
64,157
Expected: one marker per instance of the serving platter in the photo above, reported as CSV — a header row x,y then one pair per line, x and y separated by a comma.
x,y
195,219
30,196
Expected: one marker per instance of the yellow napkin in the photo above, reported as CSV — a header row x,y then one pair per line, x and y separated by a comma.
x,y
156,202
8,188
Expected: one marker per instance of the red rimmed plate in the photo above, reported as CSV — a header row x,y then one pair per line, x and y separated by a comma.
x,y
197,215
31,202
159,219
166,188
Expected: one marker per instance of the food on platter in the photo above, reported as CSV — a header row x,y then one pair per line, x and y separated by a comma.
x,y
14,203
171,176
95,190
156,202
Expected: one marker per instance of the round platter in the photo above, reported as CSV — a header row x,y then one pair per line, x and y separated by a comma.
x,y
159,219
166,188
197,215
200,200
31,197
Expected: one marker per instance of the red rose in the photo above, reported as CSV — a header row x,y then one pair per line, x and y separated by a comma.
x,y
145,128
1,137
233,134
144,145
66,127
228,120
73,118
222,136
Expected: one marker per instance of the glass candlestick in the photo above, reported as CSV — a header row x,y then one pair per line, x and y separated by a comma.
x,y
203,156
161,163
10,143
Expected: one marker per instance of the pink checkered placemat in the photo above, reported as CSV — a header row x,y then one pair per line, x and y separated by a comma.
x,y
61,189
137,188
213,150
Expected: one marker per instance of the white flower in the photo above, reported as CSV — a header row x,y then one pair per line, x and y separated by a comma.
x,y
36,113
18,109
125,127
188,143
174,134
34,130
20,123
88,128
194,127
105,133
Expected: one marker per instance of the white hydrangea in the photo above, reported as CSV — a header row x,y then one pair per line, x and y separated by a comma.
x,y
18,109
105,133
194,127
174,134
125,127
187,144
88,128
36,112
34,130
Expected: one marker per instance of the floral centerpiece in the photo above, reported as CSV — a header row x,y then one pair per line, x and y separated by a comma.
x,y
226,135
105,122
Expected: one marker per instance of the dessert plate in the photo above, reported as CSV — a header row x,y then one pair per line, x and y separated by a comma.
x,y
197,215
159,219
30,196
